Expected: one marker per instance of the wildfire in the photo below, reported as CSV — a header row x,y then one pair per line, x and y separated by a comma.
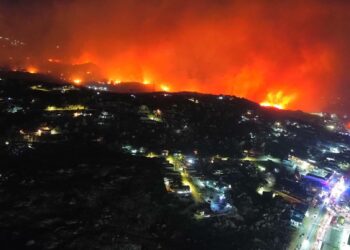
x,y
165,88
32,70
146,82
348,125
77,81
277,100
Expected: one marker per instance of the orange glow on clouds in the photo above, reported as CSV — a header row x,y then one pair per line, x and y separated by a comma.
x,y
285,54
51,60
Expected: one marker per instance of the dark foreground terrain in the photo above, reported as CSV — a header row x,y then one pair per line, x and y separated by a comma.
x,y
86,169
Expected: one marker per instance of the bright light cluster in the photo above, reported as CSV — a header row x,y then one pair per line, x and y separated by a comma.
x,y
338,188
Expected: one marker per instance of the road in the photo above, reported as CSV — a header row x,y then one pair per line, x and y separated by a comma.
x,y
317,232
262,158
180,166
305,236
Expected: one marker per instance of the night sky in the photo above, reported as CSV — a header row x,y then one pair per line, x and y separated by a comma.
x,y
245,48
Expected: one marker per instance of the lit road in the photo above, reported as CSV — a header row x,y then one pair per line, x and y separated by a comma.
x,y
317,232
186,180
262,158
180,166
306,237
317,241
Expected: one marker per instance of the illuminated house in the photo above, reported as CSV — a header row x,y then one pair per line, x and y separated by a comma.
x,y
183,189
296,219
298,215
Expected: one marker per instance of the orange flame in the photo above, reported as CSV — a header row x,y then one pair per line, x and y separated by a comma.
x,y
146,82
277,100
77,81
348,125
165,88
32,70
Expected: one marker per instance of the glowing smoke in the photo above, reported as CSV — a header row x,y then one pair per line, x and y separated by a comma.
x,y
245,48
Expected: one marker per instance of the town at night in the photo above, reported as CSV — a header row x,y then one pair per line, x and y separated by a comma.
x,y
173,124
